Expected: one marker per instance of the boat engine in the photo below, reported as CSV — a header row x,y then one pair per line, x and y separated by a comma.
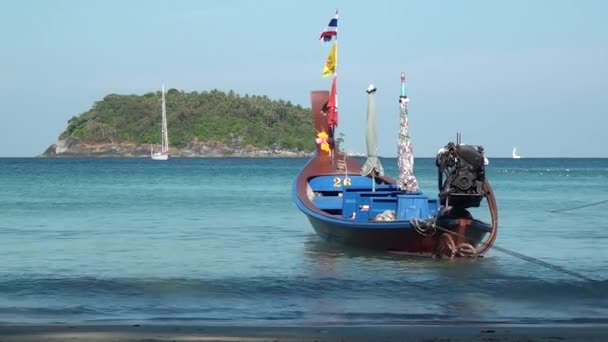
x,y
463,167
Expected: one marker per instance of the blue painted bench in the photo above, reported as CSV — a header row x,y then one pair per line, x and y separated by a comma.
x,y
355,199
328,202
336,183
415,205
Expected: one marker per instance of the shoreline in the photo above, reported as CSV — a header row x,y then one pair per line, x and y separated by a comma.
x,y
73,147
288,333
170,157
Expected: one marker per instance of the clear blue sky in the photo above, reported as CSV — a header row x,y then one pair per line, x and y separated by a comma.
x,y
531,74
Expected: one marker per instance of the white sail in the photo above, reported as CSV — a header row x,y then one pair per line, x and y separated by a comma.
x,y
514,153
163,154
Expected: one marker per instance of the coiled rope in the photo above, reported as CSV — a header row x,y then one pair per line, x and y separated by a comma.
x,y
429,228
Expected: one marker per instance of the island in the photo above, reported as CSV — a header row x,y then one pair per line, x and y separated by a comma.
x,y
200,124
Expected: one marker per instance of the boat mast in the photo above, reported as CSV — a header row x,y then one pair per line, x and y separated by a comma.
x,y
405,158
165,136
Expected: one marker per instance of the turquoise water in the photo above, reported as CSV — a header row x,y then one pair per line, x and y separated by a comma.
x,y
219,240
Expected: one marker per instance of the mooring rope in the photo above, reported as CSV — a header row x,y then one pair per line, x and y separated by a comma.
x,y
527,258
544,264
578,207
429,227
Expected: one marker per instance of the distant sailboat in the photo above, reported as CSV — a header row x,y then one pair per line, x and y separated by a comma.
x,y
163,154
514,153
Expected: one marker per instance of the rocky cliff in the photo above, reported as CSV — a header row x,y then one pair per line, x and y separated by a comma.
x,y
71,147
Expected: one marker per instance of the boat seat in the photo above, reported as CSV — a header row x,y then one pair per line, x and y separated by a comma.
x,y
415,206
381,190
361,182
355,200
323,184
333,183
328,202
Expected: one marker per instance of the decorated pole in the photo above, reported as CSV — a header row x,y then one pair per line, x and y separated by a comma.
x,y
405,158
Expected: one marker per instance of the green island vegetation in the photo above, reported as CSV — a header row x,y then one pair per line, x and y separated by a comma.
x,y
196,117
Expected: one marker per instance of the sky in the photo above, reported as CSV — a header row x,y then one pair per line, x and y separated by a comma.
x,y
531,74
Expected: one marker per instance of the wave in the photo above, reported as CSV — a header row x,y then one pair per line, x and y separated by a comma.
x,y
500,286
445,298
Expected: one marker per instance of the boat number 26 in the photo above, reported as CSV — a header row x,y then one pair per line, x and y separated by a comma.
x,y
338,182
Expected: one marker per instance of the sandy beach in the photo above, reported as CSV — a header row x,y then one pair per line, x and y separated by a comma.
x,y
443,333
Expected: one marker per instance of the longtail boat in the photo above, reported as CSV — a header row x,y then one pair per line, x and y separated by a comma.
x,y
358,205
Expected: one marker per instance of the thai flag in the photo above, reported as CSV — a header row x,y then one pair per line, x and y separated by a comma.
x,y
331,30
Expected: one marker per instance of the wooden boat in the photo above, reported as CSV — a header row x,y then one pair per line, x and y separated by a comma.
x,y
347,206
359,206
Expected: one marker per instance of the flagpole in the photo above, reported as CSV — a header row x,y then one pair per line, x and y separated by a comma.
x,y
331,65
335,79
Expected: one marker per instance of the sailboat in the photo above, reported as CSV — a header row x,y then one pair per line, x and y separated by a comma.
x,y
514,153
358,205
163,154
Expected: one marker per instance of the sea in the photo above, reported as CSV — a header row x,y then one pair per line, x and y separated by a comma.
x,y
220,241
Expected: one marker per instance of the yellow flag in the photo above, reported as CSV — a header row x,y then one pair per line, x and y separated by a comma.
x,y
332,61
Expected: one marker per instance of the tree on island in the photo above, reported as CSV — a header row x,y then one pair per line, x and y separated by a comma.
x,y
209,116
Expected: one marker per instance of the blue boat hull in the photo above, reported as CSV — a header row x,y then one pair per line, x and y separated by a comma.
x,y
399,238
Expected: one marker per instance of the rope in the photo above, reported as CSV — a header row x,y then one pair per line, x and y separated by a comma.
x,y
429,227
544,264
422,227
578,207
528,258
493,208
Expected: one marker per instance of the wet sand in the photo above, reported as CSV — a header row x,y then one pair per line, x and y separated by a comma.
x,y
388,333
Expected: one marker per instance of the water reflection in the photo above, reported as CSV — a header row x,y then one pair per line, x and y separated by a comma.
x,y
328,256
402,288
